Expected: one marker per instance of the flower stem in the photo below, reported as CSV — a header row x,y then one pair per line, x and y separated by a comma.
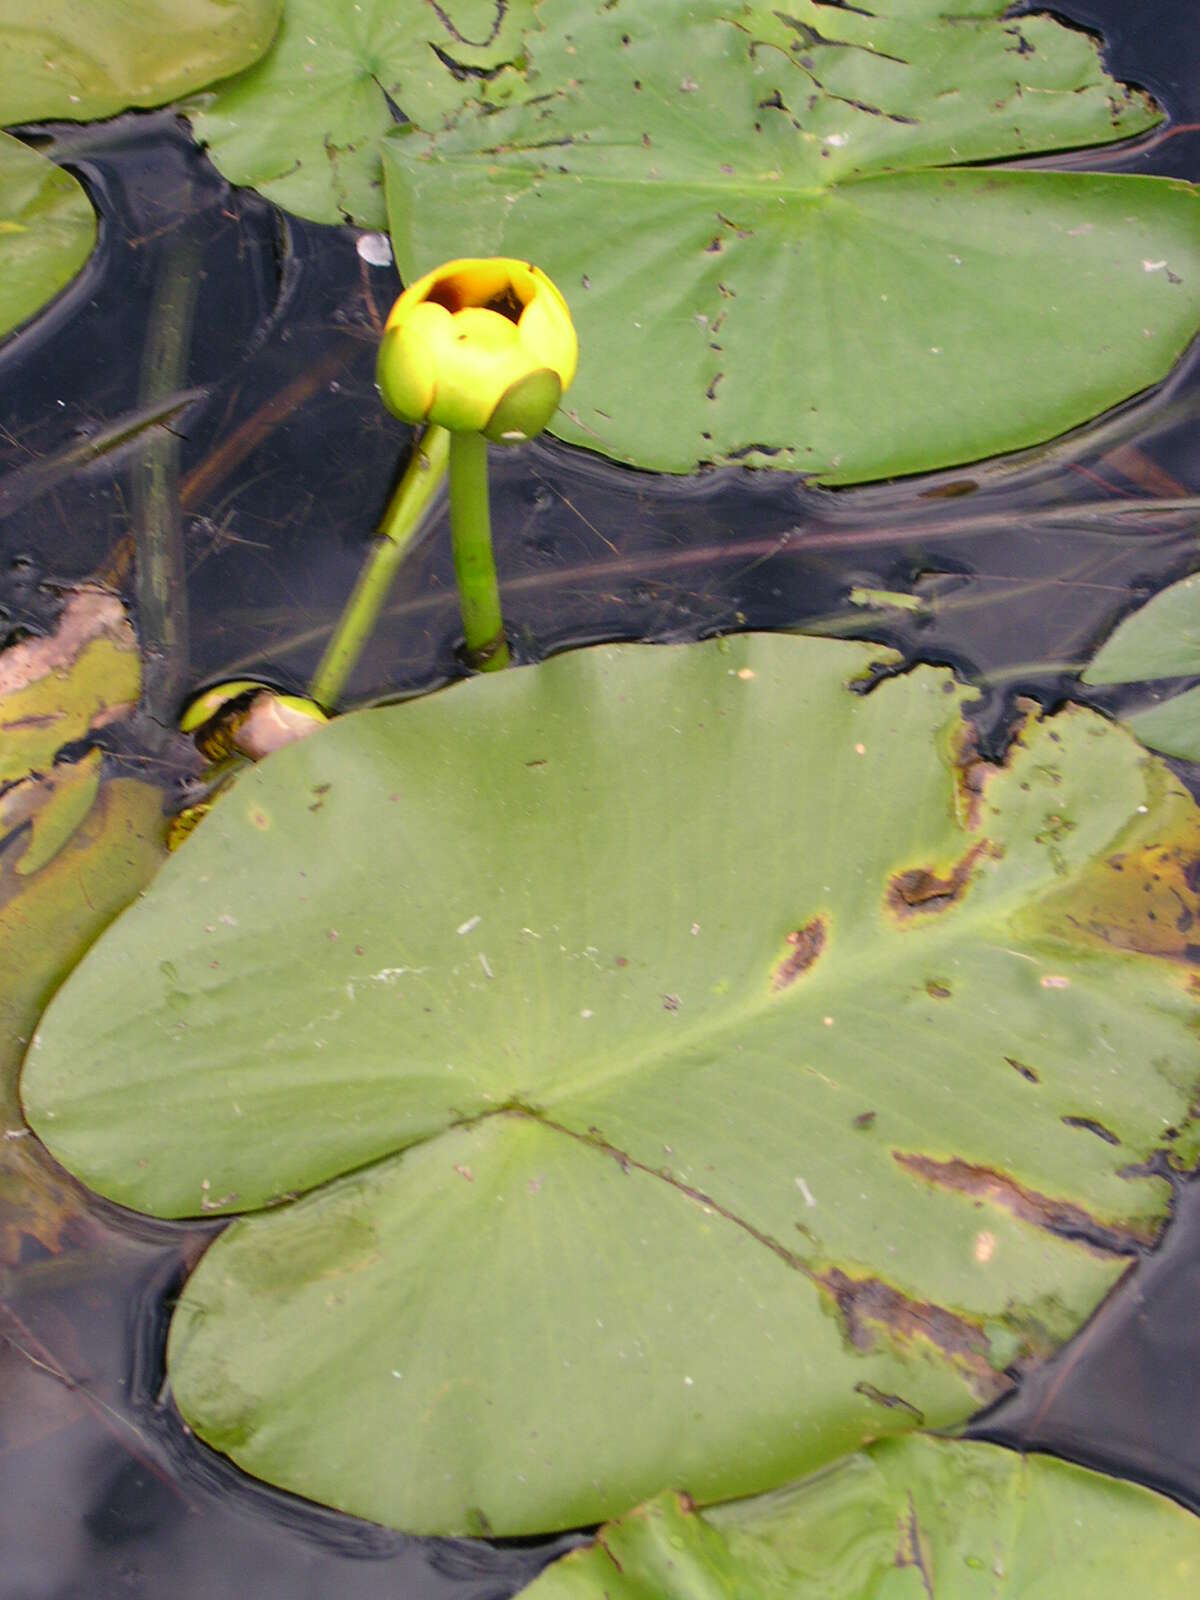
x,y
401,521
474,564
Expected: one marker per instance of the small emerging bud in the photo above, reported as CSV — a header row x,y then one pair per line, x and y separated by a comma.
x,y
249,719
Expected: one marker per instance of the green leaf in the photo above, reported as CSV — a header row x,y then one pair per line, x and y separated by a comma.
x,y
303,126
47,920
47,230
72,61
904,1520
1172,727
700,1068
1160,640
770,245
54,806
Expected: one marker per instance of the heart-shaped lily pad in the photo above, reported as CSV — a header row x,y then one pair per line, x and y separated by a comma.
x,y
698,1067
47,230
908,1519
773,248
72,61
303,126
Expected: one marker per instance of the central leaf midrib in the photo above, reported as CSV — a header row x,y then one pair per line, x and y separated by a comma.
x,y
765,186
856,963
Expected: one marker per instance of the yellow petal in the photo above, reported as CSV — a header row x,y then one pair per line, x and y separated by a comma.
x,y
407,367
414,295
547,332
478,360
526,280
206,704
487,329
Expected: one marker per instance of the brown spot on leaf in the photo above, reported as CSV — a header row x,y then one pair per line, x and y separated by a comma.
x,y
922,889
890,1402
1026,1072
806,945
936,990
600,1541
1090,1125
871,1309
1062,1217
913,1549
972,773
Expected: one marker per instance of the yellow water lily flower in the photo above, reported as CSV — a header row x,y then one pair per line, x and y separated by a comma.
x,y
483,346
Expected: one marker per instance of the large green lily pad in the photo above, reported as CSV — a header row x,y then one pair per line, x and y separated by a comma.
x,y
47,230
695,1069
910,1519
303,126
774,252
74,61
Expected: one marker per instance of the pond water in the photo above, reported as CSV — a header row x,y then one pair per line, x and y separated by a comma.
x,y
286,459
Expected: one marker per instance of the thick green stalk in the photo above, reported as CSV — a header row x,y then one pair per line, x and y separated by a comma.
x,y
474,564
406,510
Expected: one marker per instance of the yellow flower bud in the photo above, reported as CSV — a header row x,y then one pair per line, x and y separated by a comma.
x,y
248,718
479,347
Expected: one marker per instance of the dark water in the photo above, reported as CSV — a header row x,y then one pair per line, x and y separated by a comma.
x,y
286,460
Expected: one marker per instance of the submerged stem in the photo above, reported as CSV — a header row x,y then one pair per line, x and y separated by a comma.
x,y
474,563
416,491
161,584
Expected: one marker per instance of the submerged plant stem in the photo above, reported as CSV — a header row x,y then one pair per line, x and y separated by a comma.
x,y
474,563
402,519
157,522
